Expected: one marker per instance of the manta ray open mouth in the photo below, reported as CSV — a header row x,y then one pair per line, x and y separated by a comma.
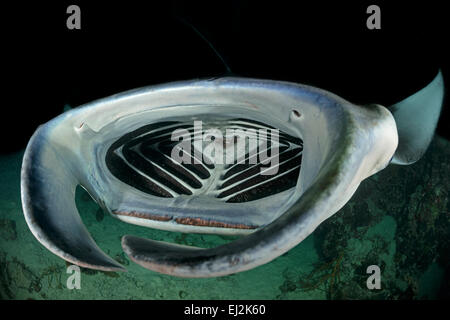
x,y
142,157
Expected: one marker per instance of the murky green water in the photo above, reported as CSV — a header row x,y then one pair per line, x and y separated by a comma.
x,y
398,219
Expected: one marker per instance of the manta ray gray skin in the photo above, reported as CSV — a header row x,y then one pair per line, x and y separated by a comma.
x,y
340,145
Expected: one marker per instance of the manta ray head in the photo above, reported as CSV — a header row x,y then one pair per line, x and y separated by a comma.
x,y
268,160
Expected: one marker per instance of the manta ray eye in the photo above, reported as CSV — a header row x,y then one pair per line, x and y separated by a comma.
x,y
296,113
231,160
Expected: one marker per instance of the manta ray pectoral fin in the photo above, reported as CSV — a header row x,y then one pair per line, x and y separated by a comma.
x,y
416,118
361,147
48,185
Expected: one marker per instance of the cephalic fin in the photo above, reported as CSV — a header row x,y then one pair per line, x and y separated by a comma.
x,y
48,186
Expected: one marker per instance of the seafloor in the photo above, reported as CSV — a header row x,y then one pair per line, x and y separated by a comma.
x,y
398,219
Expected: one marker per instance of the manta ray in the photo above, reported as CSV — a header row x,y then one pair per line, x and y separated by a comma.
x,y
119,150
